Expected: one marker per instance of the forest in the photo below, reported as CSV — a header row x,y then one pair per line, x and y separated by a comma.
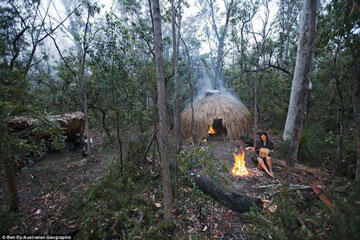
x,y
180,119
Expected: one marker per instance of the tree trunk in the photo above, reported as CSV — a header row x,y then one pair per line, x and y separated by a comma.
x,y
177,119
103,120
341,115
231,199
163,128
255,110
356,109
300,83
119,140
304,56
193,135
6,153
85,103
221,40
11,181
82,82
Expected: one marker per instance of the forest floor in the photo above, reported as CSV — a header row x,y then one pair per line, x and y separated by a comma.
x,y
47,189
219,222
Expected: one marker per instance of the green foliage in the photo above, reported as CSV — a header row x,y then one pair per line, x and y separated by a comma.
x,y
316,144
120,206
9,219
345,221
311,219
196,157
285,223
204,160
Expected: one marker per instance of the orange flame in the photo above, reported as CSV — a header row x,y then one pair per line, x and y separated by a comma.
x,y
211,130
239,165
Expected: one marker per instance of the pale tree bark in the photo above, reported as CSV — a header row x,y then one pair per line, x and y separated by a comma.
x,y
220,36
300,83
82,77
163,128
81,50
175,40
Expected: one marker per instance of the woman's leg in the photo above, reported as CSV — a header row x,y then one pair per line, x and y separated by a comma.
x,y
261,162
268,161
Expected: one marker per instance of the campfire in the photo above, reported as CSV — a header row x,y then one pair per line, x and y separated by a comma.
x,y
211,130
239,168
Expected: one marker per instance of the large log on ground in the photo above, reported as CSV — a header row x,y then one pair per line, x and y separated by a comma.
x,y
233,200
300,168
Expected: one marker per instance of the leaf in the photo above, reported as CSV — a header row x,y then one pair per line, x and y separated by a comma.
x,y
158,205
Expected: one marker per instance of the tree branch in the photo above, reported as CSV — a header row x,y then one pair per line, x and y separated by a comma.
x,y
61,56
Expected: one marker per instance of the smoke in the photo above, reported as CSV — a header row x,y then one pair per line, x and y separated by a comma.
x,y
205,82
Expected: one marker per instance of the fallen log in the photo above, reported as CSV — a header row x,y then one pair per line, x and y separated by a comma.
x,y
321,196
300,168
233,200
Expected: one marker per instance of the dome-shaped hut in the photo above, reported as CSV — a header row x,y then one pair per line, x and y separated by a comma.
x,y
216,113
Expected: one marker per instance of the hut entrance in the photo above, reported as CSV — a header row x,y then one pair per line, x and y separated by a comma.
x,y
217,130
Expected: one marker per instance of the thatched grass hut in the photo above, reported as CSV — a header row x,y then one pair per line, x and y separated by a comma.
x,y
226,114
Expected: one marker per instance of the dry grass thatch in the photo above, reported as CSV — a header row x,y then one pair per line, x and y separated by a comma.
x,y
71,122
235,116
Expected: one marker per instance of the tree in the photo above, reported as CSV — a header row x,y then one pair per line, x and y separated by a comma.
x,y
175,40
163,126
82,44
25,25
220,34
300,83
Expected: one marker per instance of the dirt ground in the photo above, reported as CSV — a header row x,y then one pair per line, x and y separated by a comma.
x,y
222,223
46,189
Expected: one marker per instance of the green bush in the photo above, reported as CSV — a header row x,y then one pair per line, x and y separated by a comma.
x,y
118,206
9,219
310,219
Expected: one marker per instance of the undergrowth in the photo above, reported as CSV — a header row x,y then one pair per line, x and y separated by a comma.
x,y
310,219
122,206
9,219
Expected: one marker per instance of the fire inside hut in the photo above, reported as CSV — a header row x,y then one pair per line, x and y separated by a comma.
x,y
216,116
217,128
211,130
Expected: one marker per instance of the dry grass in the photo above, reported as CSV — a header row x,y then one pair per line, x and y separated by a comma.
x,y
235,116
71,122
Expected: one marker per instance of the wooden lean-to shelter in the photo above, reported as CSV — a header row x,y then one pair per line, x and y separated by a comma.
x,y
72,124
226,114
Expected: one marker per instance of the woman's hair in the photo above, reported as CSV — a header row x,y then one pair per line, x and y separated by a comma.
x,y
263,133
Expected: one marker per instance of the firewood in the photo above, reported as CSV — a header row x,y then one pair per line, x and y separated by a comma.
x,y
321,196
300,168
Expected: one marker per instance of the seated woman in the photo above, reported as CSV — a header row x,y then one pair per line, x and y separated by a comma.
x,y
263,148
